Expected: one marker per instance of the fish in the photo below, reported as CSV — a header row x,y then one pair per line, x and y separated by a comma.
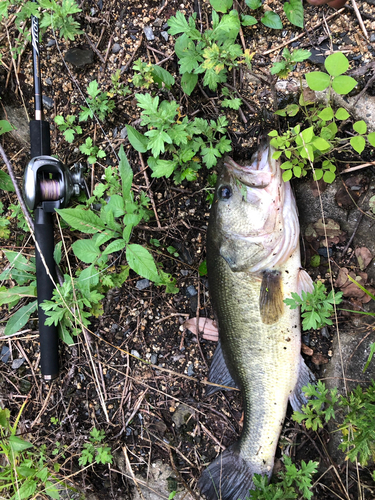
x,y
253,263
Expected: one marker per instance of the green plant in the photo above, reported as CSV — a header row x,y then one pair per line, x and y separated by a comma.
x,y
284,67
358,428
212,52
24,471
302,146
67,127
180,139
118,88
22,272
4,223
292,9
316,307
292,484
95,449
91,151
232,102
60,17
147,74
98,104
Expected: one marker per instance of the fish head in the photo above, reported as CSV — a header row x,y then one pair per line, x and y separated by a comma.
x,y
248,222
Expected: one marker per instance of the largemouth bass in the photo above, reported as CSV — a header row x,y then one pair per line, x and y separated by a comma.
x,y
253,262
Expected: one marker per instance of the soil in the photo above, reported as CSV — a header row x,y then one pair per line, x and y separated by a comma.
x,y
137,374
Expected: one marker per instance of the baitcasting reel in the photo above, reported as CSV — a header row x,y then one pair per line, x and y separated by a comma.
x,y
49,184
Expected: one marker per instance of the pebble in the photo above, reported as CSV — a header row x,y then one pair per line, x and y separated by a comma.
x,y
149,33
79,57
124,133
116,48
165,35
324,332
114,328
142,284
190,370
158,22
51,42
48,102
48,81
154,359
5,354
191,291
323,252
372,37
135,353
17,363
306,339
185,272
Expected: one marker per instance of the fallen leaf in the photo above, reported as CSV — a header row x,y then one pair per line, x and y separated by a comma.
x,y
206,326
349,193
331,227
342,277
364,257
319,359
307,350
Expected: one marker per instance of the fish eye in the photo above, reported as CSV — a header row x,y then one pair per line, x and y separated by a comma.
x,y
225,192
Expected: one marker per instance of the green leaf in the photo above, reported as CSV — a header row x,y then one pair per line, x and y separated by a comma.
x,y
253,4
307,134
8,295
317,80
221,5
371,138
83,220
177,24
294,12
5,126
6,182
86,251
115,246
287,175
247,20
203,268
343,84
336,64
300,55
161,168
329,177
228,28
234,103
126,174
136,139
20,318
358,143
326,114
161,75
321,144
360,127
18,444
189,82
341,114
272,20
142,262
57,253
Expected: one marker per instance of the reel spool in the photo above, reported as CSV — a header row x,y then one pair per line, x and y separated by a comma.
x,y
48,184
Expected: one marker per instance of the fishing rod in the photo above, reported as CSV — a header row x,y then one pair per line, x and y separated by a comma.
x,y
48,185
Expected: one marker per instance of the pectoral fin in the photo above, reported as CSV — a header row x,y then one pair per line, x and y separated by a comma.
x,y
271,303
219,373
306,376
304,282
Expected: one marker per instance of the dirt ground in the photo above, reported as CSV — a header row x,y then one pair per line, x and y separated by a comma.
x,y
157,410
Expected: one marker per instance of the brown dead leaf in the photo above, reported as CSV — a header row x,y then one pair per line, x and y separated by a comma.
x,y
349,193
331,227
207,326
364,257
307,350
319,359
317,187
342,278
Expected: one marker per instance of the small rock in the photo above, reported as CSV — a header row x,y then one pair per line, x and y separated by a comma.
x,y
372,37
185,272
191,291
93,11
124,133
323,252
149,33
5,354
181,415
79,57
48,81
116,48
114,328
158,22
324,332
135,353
190,370
307,350
142,284
306,339
51,42
154,359
114,132
165,35
48,102
17,363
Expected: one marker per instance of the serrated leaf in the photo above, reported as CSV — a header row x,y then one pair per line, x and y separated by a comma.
x,y
136,139
317,80
86,251
300,55
272,20
341,114
161,168
360,127
142,262
221,5
358,143
294,12
20,318
343,84
336,64
83,220
177,24
234,103
189,82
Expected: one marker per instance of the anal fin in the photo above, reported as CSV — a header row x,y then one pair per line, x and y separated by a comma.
x,y
219,373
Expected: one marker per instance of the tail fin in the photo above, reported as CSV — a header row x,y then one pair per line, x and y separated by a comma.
x,y
229,477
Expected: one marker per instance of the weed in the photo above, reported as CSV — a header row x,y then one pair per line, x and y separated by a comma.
x,y
146,75
95,450
67,127
316,307
92,152
118,88
292,9
98,102
231,101
284,67
178,137
304,146
4,223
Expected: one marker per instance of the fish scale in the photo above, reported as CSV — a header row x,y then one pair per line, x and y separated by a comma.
x,y
260,338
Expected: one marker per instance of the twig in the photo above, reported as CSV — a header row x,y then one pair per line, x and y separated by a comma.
x,y
162,8
17,189
360,20
358,167
197,317
134,52
129,467
155,50
108,49
93,46
150,193
302,34
353,234
170,316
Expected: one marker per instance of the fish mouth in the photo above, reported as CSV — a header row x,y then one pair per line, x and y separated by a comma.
x,y
259,173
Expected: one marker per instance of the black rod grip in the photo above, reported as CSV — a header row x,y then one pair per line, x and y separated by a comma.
x,y
48,335
39,138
